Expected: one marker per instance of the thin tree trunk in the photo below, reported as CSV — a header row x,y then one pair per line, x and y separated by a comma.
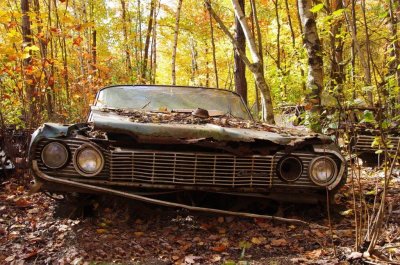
x,y
176,33
260,50
239,65
303,83
255,67
336,46
278,35
213,51
290,23
43,53
64,55
153,67
351,23
193,53
147,42
367,77
394,45
128,63
313,46
27,62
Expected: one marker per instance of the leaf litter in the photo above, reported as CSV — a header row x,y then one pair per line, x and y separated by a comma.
x,y
31,233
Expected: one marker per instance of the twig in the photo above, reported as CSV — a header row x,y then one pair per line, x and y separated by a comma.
x,y
166,203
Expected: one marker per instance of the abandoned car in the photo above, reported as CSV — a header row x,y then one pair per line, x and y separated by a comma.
x,y
367,140
5,163
148,138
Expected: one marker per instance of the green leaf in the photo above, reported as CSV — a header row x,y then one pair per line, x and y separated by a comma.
x,y
368,117
317,8
378,151
338,12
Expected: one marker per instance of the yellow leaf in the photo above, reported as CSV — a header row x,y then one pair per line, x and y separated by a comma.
x,y
101,231
258,240
347,212
138,234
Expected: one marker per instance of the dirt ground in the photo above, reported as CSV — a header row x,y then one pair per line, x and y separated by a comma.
x,y
35,230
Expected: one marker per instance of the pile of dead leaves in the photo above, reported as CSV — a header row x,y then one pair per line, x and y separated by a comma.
x,y
225,120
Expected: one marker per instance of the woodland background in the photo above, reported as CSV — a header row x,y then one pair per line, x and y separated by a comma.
x,y
55,54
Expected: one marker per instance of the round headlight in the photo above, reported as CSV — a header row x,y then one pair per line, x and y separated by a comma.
x,y
88,160
290,168
323,170
54,155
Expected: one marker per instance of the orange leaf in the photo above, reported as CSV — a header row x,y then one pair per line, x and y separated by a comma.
x,y
77,41
219,248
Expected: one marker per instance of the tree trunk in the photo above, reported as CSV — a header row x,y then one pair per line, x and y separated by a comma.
x,y
176,32
394,63
27,63
153,60
239,66
128,63
313,46
367,70
336,46
43,53
256,66
290,24
147,42
193,53
213,51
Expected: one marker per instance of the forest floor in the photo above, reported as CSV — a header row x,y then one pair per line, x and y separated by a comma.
x,y
127,232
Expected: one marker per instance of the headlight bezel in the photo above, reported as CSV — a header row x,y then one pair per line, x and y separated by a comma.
x,y
77,166
299,167
64,147
329,180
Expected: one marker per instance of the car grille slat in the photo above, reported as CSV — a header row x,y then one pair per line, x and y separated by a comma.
x,y
163,167
153,167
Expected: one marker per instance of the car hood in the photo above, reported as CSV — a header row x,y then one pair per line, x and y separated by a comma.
x,y
212,129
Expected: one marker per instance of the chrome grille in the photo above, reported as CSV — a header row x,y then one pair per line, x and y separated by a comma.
x,y
153,168
364,143
200,169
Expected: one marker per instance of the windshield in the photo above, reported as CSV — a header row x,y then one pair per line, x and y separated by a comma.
x,y
172,98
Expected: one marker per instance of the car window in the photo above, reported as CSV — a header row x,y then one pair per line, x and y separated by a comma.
x,y
172,98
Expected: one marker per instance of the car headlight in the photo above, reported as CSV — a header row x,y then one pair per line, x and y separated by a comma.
x,y
290,168
54,155
88,160
323,170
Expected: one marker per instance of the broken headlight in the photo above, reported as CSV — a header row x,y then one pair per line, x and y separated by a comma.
x,y
88,160
54,155
323,170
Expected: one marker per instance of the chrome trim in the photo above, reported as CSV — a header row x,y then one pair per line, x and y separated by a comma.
x,y
66,151
363,143
334,175
133,196
285,158
76,164
323,149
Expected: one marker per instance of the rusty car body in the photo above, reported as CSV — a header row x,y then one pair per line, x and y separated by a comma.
x,y
159,138
6,165
366,139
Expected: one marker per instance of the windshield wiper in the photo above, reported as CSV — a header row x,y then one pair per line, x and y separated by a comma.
x,y
148,103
